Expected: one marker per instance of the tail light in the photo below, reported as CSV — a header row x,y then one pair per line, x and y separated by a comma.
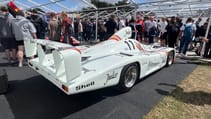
x,y
65,88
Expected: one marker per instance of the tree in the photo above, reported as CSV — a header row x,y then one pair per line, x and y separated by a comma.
x,y
101,4
126,8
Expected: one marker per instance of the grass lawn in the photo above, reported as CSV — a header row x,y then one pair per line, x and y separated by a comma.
x,y
190,100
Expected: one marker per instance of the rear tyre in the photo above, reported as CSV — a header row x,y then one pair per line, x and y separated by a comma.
x,y
129,75
170,58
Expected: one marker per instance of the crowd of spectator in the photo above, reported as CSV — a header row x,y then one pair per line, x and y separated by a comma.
x,y
169,32
13,32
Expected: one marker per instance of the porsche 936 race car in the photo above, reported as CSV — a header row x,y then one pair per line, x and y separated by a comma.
x,y
118,61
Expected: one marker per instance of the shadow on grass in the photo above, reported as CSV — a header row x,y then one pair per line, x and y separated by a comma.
x,y
196,97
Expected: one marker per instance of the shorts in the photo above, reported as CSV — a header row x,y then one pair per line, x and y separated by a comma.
x,y
19,42
8,43
163,36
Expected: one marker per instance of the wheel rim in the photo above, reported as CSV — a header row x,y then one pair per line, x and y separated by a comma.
x,y
170,58
130,76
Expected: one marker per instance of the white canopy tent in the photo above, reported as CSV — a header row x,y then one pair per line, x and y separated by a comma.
x,y
158,7
51,5
176,7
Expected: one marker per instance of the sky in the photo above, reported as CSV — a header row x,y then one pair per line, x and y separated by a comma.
x,y
68,4
75,5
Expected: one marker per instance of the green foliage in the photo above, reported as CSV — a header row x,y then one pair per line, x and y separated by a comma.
x,y
122,2
101,4
125,9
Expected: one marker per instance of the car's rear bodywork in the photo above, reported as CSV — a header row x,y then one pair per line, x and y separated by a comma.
x,y
80,69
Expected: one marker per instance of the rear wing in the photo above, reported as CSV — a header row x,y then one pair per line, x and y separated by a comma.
x,y
61,61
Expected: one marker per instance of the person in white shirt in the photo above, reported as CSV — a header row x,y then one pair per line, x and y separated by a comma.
x,y
152,30
80,30
163,37
120,23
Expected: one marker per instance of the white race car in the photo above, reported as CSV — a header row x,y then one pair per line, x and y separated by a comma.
x,y
119,61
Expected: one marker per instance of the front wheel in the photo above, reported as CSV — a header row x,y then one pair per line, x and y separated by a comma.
x,y
170,58
129,75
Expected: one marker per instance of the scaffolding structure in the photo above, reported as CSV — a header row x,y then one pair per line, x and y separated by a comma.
x,y
159,8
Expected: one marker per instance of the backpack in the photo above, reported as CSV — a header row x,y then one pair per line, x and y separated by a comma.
x,y
188,31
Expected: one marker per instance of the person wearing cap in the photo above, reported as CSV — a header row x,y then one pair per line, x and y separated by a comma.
x,y
23,29
6,36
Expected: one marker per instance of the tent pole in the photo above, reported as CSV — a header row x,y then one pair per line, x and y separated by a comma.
x,y
203,47
96,25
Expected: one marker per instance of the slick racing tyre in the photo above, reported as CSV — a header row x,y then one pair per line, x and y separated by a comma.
x,y
129,75
170,58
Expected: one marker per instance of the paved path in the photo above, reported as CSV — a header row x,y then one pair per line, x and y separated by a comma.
x,y
33,97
